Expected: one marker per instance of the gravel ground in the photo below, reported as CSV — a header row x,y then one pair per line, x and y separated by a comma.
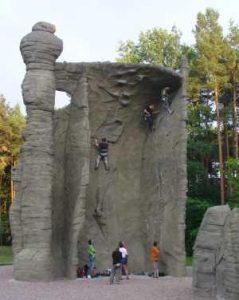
x,y
137,288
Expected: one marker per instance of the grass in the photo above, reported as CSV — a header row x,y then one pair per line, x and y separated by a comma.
x,y
189,261
6,257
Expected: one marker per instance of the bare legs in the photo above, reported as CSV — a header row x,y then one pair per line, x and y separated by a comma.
x,y
115,273
125,268
105,161
155,269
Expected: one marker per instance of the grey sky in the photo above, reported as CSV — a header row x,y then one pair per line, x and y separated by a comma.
x,y
91,29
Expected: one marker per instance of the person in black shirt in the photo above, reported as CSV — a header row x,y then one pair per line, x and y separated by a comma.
x,y
102,153
148,116
116,267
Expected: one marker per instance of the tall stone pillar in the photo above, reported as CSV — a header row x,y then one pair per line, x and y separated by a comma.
x,y
39,49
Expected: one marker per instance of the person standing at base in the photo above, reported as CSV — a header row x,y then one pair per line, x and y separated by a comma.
x,y
154,257
116,266
91,258
124,261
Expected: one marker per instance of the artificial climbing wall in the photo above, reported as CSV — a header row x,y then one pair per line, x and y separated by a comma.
x,y
140,199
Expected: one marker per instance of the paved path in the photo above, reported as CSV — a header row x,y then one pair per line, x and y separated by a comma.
x,y
137,288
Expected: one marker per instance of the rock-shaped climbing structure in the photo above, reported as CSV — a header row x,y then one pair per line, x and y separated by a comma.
x,y
61,200
216,255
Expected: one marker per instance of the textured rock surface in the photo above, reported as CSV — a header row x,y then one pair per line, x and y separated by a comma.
x,y
216,255
31,214
141,198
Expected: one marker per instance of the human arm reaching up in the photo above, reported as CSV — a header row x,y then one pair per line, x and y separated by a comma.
x,y
96,143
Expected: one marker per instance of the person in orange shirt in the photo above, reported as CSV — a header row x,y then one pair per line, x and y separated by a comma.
x,y
154,257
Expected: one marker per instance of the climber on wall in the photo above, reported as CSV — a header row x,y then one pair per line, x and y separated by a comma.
x,y
148,116
102,147
165,99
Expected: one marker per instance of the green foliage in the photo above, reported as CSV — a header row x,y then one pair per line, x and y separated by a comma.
x,y
210,47
5,202
232,175
213,65
12,123
6,257
193,82
232,51
197,177
129,52
156,46
189,261
195,210
17,123
201,150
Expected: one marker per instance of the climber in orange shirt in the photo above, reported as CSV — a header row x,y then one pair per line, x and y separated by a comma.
x,y
154,257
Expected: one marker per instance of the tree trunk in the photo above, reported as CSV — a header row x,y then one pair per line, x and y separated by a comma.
x,y
222,190
225,130
235,121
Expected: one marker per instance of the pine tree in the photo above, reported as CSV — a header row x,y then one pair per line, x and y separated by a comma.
x,y
210,47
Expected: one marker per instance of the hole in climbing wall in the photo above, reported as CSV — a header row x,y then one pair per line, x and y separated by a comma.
x,y
62,99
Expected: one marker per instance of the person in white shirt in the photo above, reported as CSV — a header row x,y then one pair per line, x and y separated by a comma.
x,y
124,261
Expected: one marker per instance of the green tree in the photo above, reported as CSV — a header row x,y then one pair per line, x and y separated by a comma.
x,y
201,152
12,123
5,135
195,210
212,61
194,82
232,175
17,122
232,64
155,46
210,47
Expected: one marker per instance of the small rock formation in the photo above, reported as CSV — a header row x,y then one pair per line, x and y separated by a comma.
x,y
216,255
61,200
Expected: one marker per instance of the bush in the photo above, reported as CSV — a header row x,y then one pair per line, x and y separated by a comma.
x,y
195,210
5,233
